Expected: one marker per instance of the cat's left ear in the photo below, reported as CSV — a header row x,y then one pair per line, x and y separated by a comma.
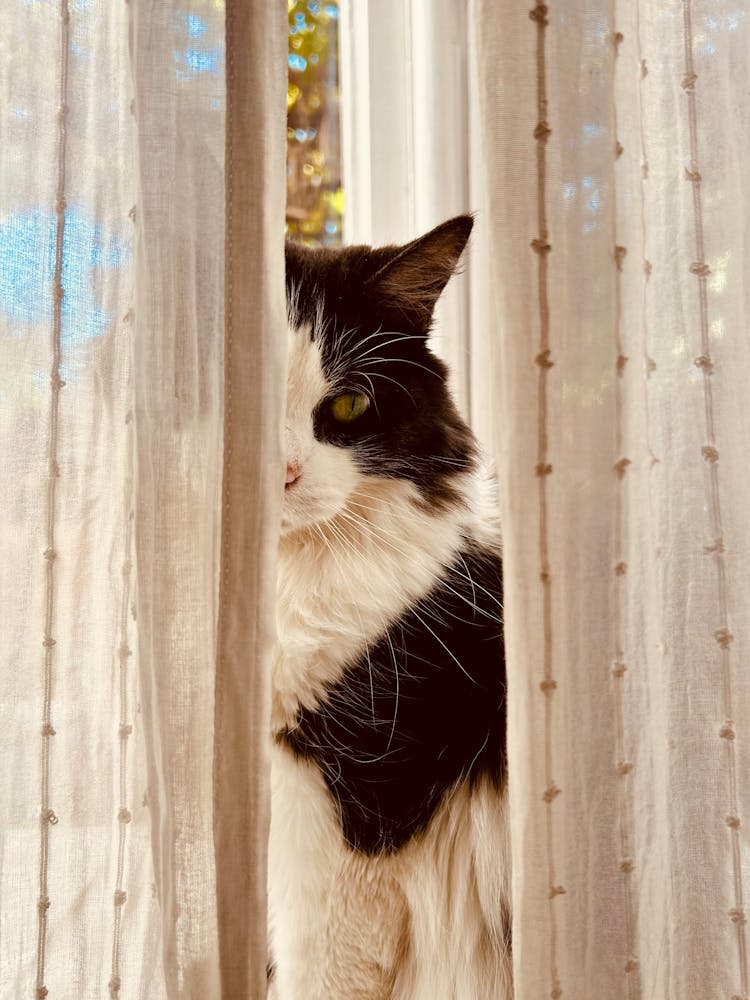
x,y
410,283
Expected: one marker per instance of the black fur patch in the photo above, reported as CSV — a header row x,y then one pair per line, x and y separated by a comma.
x,y
370,310
423,711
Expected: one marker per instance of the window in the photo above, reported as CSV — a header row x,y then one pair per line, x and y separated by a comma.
x,y
315,198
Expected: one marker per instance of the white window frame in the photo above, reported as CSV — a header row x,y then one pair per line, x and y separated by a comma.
x,y
412,158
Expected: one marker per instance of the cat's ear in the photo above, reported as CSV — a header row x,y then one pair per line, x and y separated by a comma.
x,y
410,283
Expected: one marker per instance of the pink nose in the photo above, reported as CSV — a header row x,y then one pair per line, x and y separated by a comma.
x,y
292,473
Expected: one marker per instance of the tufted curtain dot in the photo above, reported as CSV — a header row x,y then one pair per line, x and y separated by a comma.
x,y
140,414
616,154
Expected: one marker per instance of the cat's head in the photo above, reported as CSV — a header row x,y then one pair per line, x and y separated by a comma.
x,y
367,400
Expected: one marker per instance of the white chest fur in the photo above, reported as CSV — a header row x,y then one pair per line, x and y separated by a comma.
x,y
341,584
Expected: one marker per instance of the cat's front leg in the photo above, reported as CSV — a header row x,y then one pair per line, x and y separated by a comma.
x,y
366,930
302,860
337,917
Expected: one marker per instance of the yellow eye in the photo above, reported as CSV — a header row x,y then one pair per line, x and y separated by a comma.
x,y
349,406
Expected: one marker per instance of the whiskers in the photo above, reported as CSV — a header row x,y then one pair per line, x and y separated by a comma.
x,y
353,357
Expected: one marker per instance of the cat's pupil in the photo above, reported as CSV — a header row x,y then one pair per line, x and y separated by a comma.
x,y
349,406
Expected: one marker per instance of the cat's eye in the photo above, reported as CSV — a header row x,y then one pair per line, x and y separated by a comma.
x,y
349,406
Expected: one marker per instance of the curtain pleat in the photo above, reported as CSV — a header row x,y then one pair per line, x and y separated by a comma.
x,y
254,387
614,157
209,353
178,357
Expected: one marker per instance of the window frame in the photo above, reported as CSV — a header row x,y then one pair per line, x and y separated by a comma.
x,y
412,157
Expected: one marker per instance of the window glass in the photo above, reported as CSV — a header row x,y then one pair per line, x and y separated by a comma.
x,y
315,199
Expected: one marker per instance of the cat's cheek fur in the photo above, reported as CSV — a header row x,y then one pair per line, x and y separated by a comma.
x,y
327,474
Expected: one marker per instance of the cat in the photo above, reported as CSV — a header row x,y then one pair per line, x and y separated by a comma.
x,y
388,862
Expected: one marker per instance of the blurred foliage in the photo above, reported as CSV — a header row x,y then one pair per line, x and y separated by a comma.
x,y
315,199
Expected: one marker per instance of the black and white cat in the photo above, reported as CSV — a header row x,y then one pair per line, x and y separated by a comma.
x,y
388,869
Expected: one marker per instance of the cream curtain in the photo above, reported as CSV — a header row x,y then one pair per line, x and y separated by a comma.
x,y
140,397
617,151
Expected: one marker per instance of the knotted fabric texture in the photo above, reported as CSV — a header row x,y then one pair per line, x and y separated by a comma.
x,y
616,162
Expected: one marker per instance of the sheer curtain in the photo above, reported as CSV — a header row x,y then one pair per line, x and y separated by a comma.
x,y
140,403
616,146
140,398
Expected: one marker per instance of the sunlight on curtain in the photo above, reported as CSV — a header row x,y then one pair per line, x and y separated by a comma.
x,y
112,388
77,911
178,79
617,152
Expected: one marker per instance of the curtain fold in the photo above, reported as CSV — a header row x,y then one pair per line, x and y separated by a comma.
x,y
614,155
208,376
178,110
254,394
